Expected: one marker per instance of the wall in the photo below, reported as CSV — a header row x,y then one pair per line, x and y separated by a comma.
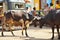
x,y
32,3
36,4
53,1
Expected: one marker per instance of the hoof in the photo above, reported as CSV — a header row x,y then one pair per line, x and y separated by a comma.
x,y
27,36
22,33
2,35
41,27
58,37
13,35
35,25
52,38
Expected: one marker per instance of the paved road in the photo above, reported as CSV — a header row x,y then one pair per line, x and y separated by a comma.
x,y
34,34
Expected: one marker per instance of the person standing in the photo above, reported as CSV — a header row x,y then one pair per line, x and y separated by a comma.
x,y
51,6
34,11
27,12
46,9
57,5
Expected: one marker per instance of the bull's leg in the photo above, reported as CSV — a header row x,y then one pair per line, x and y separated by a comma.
x,y
11,30
34,23
52,33
26,32
22,32
12,33
3,24
22,28
2,29
40,25
58,31
22,22
26,25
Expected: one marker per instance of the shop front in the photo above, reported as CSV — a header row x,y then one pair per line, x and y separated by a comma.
x,y
37,4
16,4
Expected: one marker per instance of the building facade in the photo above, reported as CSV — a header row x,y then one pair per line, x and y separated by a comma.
x,y
39,4
29,3
15,4
21,4
1,6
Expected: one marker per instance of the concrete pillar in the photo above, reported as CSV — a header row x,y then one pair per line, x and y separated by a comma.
x,y
3,7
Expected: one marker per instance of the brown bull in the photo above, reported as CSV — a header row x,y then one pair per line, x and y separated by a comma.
x,y
12,19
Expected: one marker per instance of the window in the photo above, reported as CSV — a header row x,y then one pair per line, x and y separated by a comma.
x,y
19,6
16,6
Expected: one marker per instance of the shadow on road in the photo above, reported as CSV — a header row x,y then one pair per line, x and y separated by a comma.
x,y
28,38
33,38
16,29
9,36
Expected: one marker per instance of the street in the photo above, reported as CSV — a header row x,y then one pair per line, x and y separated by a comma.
x,y
34,34
21,12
